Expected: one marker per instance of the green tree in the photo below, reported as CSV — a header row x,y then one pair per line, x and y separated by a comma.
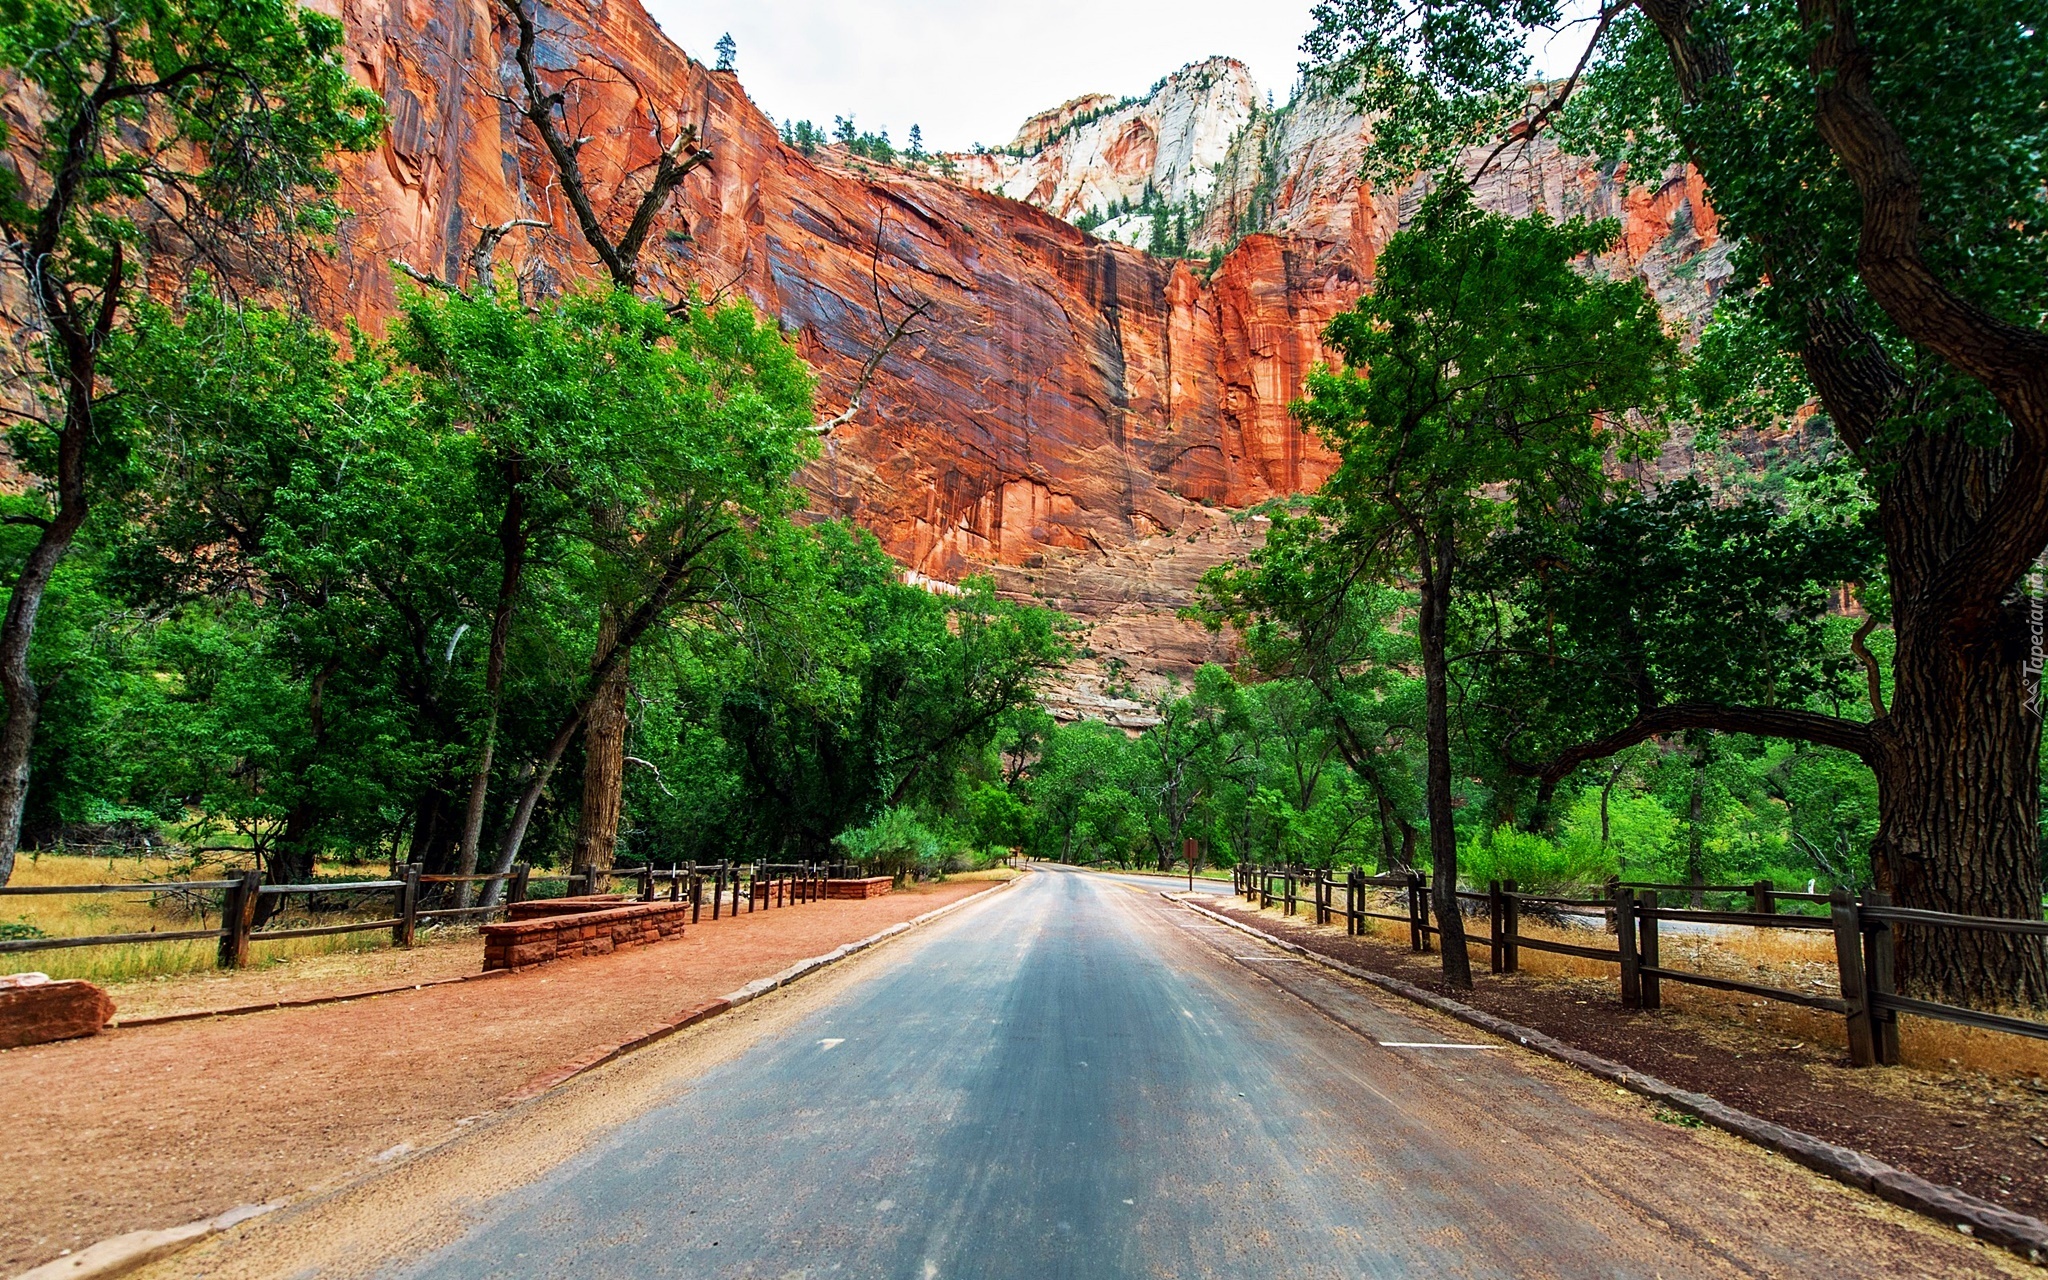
x,y
1878,164
1307,617
1600,634
859,691
725,50
1482,363
205,125
315,545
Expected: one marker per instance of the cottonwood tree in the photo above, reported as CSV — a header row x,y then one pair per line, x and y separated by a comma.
x,y
1484,379
1307,616
141,133
1879,163
552,107
671,436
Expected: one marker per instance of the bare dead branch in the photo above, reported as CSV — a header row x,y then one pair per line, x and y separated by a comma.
x,y
487,237
891,336
541,108
426,278
1526,130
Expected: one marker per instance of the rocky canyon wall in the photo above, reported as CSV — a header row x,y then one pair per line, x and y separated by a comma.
x,y
1074,416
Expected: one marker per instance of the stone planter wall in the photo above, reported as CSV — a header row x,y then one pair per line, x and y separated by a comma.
x,y
871,887
517,944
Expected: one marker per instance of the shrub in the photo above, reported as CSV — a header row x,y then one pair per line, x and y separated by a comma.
x,y
1533,862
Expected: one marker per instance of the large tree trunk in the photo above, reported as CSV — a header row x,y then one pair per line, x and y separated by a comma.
x,y
604,774
18,631
1433,624
1958,756
1958,777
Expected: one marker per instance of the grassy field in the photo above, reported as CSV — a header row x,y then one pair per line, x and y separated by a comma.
x,y
69,916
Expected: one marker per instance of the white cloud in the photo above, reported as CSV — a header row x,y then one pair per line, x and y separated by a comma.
x,y
971,72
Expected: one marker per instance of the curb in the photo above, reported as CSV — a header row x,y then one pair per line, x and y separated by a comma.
x,y
732,1000
122,1254
2023,1235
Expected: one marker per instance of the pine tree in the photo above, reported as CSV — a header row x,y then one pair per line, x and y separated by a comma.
x,y
725,49
916,151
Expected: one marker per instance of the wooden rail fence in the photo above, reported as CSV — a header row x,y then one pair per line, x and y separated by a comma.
x,y
1862,928
762,886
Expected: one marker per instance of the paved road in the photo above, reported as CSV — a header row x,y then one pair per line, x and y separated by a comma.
x,y
1146,880
1075,1079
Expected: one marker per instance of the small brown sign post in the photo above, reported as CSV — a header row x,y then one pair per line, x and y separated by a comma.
x,y
1188,850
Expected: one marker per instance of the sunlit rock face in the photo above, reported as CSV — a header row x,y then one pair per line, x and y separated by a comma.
x,y
1080,419
1096,152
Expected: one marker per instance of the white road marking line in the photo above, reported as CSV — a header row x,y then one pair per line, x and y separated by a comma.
x,y
831,1044
1416,1044
1275,959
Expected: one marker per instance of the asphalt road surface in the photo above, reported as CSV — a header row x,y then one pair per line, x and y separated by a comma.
x,y
1075,1078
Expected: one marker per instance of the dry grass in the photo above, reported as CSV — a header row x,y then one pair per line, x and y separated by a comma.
x,y
1791,959
69,916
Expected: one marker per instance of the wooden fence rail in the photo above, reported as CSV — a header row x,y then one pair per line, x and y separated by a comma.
x,y
764,885
1868,1000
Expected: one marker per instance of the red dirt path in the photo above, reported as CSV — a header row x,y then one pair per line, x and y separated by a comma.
x,y
154,1126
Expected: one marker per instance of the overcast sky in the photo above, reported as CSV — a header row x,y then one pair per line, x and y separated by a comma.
x,y
972,71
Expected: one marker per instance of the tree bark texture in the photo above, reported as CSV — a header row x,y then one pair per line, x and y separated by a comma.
x,y
604,764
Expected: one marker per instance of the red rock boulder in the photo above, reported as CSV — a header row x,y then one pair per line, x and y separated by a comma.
x,y
35,1010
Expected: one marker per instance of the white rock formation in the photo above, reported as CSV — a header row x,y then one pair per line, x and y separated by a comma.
x,y
1095,151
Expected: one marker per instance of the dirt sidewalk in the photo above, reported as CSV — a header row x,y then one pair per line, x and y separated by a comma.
x,y
154,1126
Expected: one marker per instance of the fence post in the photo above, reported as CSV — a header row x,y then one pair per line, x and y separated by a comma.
x,y
1496,914
408,907
237,917
1646,950
736,877
717,891
1877,944
1354,902
1613,894
1418,914
1511,914
1850,961
1763,898
1849,958
516,891
1625,939
1292,882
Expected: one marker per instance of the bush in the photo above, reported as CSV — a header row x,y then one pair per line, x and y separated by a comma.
x,y
897,844
1535,864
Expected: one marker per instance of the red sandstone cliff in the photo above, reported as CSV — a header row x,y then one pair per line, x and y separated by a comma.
x,y
1074,415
